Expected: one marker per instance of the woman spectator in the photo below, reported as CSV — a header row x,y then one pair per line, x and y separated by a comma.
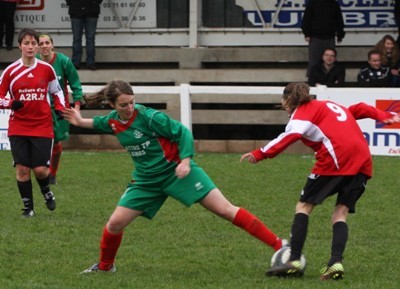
x,y
390,57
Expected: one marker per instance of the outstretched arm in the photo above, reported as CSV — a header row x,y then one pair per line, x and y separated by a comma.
x,y
362,110
74,117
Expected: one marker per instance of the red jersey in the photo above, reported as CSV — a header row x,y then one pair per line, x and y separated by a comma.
x,y
332,132
31,85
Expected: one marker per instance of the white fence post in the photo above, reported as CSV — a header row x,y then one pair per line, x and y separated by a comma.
x,y
186,106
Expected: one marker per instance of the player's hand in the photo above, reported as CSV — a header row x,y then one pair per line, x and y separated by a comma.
x,y
183,168
72,115
16,105
250,157
59,114
394,119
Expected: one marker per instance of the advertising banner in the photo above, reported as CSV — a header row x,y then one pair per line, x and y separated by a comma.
x,y
382,139
357,14
4,116
115,14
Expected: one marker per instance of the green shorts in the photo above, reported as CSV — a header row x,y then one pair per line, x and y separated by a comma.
x,y
60,127
148,195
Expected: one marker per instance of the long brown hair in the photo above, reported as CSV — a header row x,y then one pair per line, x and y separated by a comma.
x,y
393,59
294,95
109,93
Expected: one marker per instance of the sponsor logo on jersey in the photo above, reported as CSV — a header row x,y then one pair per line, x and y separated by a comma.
x,y
137,133
30,75
199,186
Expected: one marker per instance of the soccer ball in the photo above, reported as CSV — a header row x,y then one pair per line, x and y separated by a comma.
x,y
281,256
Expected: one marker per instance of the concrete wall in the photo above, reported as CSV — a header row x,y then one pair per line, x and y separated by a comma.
x,y
174,66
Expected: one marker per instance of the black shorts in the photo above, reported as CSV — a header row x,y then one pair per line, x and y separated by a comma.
x,y
348,188
31,151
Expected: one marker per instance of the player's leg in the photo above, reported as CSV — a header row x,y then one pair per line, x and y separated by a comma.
x,y
299,229
293,267
55,161
350,191
340,233
216,202
41,154
20,150
134,202
198,187
112,235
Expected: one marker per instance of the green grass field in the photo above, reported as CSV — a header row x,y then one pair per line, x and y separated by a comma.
x,y
189,247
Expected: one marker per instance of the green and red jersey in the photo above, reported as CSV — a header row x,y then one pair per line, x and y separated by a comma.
x,y
156,142
66,75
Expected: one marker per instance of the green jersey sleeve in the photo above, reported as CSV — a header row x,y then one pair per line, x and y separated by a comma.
x,y
173,130
101,123
73,80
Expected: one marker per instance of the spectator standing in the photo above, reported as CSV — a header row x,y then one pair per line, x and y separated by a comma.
x,y
390,57
7,26
322,22
328,72
84,15
67,75
30,127
374,74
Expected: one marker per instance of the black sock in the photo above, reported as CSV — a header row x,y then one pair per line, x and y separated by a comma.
x,y
44,184
339,240
25,190
299,233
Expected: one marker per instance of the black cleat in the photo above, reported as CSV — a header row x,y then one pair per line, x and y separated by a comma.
x,y
50,200
289,269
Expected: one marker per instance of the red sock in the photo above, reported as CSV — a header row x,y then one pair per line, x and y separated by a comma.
x,y
256,228
55,158
109,245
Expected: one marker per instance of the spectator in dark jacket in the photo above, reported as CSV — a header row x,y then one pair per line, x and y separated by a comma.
x,y
7,26
322,22
84,15
328,72
375,74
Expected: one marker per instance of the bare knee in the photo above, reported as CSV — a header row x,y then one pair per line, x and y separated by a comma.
x,y
340,214
41,172
305,208
219,205
121,218
23,173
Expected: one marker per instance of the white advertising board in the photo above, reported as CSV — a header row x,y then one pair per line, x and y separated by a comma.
x,y
4,142
114,14
382,139
357,14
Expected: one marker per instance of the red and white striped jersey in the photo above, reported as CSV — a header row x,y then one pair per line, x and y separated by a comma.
x,y
332,132
31,85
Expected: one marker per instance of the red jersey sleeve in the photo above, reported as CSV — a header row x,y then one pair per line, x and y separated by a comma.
x,y
362,110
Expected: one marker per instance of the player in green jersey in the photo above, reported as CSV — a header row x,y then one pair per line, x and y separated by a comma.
x,y
67,75
162,150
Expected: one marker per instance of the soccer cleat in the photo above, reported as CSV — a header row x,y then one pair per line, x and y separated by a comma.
x,y
27,213
50,200
289,269
95,268
334,272
52,180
